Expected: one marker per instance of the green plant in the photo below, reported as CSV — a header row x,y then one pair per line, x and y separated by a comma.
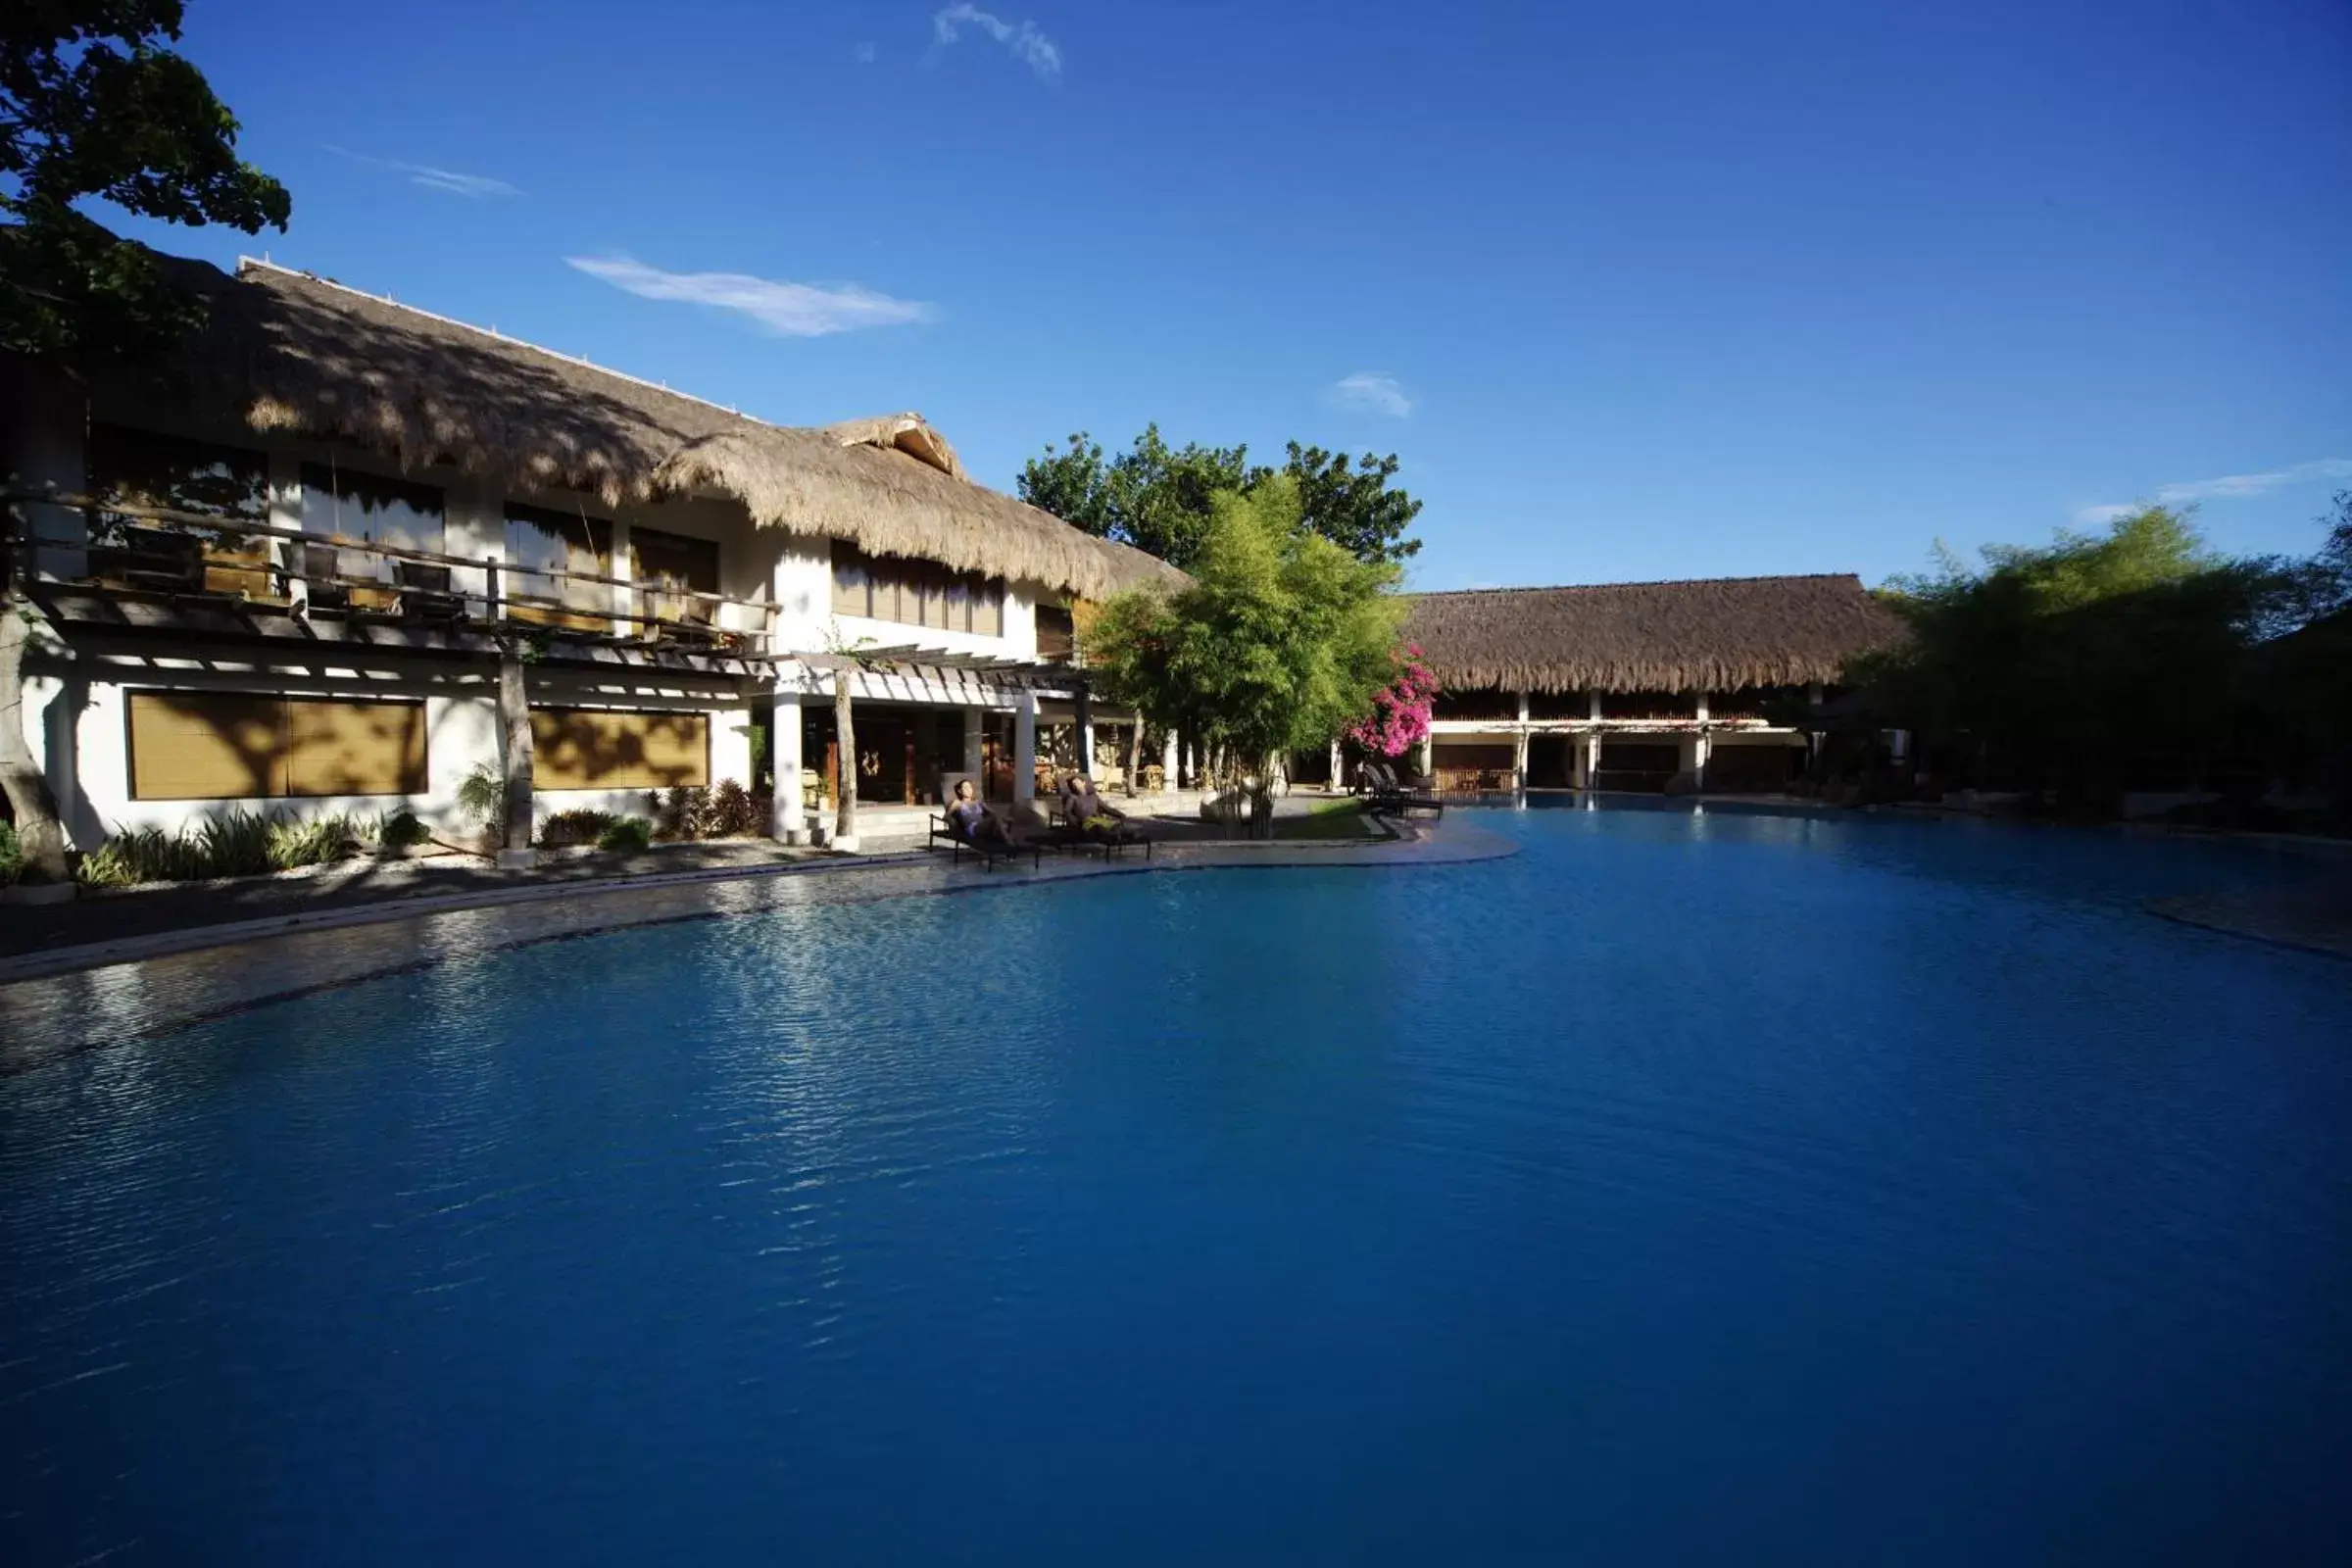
x,y
12,855
144,854
318,842
729,811
577,827
675,811
482,795
402,831
237,844
628,835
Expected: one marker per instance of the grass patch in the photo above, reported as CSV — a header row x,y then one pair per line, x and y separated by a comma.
x,y
1328,819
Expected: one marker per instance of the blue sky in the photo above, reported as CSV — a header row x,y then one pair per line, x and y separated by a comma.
x,y
1634,291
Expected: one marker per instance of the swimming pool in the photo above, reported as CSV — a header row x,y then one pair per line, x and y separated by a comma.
x,y
1686,1188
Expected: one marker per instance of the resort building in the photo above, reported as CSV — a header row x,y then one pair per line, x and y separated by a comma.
x,y
1637,686
350,552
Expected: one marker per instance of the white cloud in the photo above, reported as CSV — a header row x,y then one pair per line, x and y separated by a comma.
x,y
789,310
1028,45
2229,487
473,187
1372,392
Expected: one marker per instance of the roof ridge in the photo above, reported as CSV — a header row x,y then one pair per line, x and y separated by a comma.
x,y
1653,582
264,264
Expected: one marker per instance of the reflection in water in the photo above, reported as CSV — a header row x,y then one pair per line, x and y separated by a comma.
x,y
1843,1174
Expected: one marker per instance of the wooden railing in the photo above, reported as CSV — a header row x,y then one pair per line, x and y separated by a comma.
x,y
157,551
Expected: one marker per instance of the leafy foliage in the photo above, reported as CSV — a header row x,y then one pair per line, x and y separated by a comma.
x,y
234,843
482,795
1159,498
1400,710
629,835
1281,642
2055,668
93,105
579,825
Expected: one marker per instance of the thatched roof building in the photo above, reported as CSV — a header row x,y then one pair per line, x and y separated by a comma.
x,y
298,354
1720,634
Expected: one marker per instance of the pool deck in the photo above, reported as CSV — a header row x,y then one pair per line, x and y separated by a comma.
x,y
345,932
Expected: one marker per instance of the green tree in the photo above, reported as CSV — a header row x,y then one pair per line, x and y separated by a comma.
x,y
1280,643
2056,668
1157,497
93,105
1352,504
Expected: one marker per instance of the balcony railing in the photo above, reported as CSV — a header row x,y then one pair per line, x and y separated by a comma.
x,y
159,553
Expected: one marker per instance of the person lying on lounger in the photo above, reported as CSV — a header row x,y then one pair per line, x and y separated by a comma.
x,y
1081,804
974,822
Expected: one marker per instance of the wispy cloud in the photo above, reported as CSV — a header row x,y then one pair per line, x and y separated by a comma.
x,y
1028,45
865,51
1372,392
2229,487
473,187
789,310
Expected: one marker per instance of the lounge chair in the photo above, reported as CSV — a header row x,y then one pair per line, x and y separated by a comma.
x,y
1081,806
945,831
1390,794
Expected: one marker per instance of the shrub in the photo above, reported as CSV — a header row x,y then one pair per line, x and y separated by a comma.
x,y
402,831
729,811
482,795
237,844
675,810
12,855
577,827
628,834
318,842
144,854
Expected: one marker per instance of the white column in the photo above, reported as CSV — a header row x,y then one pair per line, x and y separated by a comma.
x,y
790,824
1168,762
1592,758
1083,721
624,599
1519,749
1024,749
1424,756
1593,699
1333,786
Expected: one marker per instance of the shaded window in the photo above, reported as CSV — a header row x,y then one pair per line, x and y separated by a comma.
x,y
916,593
1649,705
138,468
599,749
1558,704
347,510
668,563
141,468
1477,704
543,539
197,746
1057,633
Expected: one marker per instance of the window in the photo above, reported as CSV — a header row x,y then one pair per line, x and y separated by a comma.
x,y
916,593
1057,633
541,540
598,749
345,509
140,468
204,746
661,561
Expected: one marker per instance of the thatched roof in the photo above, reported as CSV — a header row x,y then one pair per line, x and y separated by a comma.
x,y
299,354
1719,634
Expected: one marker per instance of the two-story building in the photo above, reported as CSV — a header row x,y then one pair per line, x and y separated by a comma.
x,y
1628,686
291,571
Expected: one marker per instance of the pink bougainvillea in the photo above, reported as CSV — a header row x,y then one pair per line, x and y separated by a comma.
x,y
1400,717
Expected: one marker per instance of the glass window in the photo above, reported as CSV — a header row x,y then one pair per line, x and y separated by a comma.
x,y
138,468
541,540
360,509
916,593
672,562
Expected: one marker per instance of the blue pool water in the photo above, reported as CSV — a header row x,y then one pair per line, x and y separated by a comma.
x,y
1724,1189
